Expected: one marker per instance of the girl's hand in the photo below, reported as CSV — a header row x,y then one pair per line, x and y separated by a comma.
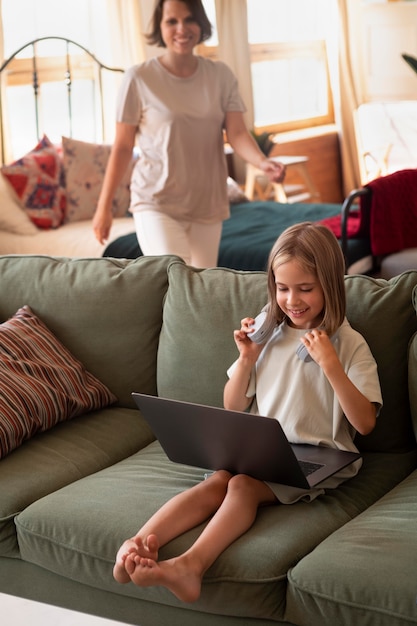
x,y
234,397
359,411
247,348
319,347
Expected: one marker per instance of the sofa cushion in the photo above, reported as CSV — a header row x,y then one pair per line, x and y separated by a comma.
x,y
76,531
383,312
363,573
41,382
107,312
62,455
205,305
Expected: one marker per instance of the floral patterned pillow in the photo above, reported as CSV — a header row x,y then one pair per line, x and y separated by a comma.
x,y
84,167
37,181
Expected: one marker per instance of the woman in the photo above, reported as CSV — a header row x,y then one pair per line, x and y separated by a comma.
x,y
178,104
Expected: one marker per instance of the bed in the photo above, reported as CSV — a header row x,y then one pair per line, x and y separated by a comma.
x,y
252,229
49,193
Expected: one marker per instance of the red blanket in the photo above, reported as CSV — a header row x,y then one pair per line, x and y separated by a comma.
x,y
388,215
393,212
353,225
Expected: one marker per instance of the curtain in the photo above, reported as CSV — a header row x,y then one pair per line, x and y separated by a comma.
x,y
125,27
232,28
3,142
349,95
124,22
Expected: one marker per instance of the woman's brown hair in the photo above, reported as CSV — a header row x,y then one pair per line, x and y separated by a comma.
x,y
196,9
318,252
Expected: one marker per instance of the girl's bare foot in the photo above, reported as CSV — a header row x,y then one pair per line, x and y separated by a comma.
x,y
149,548
135,546
119,571
175,574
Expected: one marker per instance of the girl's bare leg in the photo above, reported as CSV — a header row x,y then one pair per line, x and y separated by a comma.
x,y
183,575
183,512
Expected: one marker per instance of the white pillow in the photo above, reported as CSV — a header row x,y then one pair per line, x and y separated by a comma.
x,y
234,192
13,219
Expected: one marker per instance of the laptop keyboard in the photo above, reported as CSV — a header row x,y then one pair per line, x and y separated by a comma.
x,y
308,467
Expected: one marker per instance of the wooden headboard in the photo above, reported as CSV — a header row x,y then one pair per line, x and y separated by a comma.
x,y
31,65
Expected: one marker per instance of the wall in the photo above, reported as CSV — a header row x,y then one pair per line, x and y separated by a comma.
x,y
387,29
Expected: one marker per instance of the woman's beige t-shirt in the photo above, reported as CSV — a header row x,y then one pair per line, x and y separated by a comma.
x,y
182,168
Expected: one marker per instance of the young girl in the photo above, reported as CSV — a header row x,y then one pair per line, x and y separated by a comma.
x,y
323,400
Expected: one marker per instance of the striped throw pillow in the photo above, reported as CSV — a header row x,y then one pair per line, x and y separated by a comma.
x,y
41,382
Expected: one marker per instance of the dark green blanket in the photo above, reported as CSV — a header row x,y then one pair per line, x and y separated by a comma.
x,y
251,231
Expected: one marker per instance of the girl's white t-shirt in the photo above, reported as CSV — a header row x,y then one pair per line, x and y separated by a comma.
x,y
182,167
299,396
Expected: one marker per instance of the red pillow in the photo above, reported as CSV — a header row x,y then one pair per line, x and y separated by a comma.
x,y
38,181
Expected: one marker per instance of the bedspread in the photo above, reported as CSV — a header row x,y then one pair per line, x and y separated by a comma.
x,y
251,231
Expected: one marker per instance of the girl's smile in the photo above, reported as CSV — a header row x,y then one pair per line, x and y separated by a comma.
x,y
299,295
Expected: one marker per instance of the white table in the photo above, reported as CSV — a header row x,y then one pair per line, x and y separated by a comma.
x,y
20,612
257,182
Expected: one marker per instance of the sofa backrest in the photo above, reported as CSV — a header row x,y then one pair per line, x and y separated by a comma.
x,y
412,372
203,307
383,312
412,381
107,312
201,310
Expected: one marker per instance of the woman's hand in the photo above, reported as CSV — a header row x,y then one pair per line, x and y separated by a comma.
x,y
275,170
120,157
102,222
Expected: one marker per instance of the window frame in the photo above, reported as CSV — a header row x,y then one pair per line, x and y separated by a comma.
x,y
317,49
264,52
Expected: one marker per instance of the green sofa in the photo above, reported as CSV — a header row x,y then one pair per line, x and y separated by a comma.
x,y
69,496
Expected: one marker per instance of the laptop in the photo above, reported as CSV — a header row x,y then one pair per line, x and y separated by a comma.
x,y
215,438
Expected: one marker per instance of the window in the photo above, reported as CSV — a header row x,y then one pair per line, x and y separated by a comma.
x,y
79,20
43,18
289,43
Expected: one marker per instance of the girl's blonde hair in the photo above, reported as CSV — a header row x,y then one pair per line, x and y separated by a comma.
x,y
318,252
